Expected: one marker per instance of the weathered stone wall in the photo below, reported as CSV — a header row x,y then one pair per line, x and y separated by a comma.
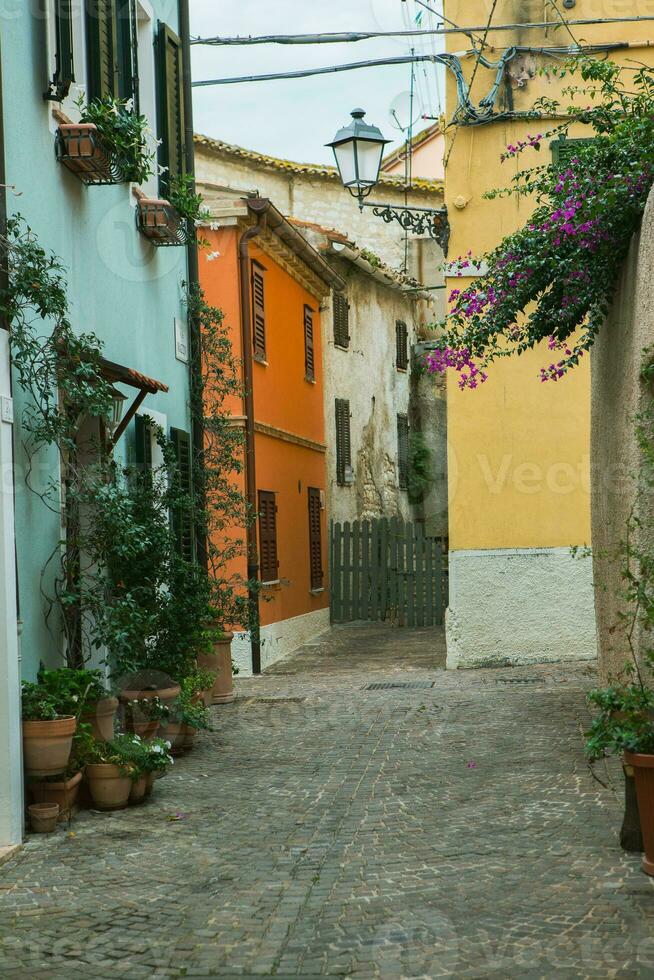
x,y
618,395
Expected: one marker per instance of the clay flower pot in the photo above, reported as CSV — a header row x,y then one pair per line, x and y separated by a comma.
x,y
219,661
64,794
149,782
109,787
43,817
175,733
165,694
144,729
100,716
47,745
189,737
643,767
139,789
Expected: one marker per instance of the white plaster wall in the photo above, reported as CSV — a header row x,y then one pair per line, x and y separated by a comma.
x,y
279,640
322,200
519,606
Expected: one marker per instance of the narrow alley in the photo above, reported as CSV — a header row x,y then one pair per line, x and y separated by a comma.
x,y
356,812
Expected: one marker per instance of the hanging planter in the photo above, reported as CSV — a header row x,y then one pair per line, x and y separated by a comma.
x,y
80,149
159,221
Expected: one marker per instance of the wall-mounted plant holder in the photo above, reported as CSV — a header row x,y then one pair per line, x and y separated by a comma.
x,y
159,221
80,149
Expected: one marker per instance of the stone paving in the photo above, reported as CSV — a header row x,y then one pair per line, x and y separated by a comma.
x,y
447,828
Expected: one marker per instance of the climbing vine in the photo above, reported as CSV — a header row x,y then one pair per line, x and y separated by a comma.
x,y
553,280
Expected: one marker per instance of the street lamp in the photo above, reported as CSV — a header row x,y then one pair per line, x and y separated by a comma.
x,y
118,400
358,151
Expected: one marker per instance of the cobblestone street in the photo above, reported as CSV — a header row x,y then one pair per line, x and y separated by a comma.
x,y
334,824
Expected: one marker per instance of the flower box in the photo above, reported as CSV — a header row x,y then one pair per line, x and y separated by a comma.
x,y
159,221
80,149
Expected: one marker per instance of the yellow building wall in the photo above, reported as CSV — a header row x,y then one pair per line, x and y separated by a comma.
x,y
519,448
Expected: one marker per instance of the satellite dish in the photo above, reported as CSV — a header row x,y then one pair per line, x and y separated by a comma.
x,y
399,111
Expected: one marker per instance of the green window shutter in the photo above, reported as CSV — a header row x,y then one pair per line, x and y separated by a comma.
x,y
309,351
343,441
64,74
403,451
142,444
127,51
315,539
183,516
268,563
101,49
341,310
565,150
170,106
401,345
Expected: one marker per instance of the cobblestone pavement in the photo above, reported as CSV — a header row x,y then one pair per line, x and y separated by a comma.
x,y
448,828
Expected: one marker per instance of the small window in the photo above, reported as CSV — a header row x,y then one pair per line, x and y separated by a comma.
x,y
403,451
315,539
170,107
564,150
343,443
341,311
268,564
401,345
112,46
258,312
309,352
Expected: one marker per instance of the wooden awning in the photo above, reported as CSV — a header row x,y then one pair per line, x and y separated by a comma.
x,y
134,379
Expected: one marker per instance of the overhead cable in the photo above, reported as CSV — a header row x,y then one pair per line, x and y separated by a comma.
x,y
341,38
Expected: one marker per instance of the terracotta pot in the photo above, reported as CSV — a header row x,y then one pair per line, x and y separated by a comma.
x,y
219,661
189,737
144,729
110,789
100,716
643,766
43,817
139,789
64,794
149,782
165,694
175,733
47,745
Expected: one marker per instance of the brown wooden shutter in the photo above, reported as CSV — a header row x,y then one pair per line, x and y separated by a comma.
x,y
170,107
127,51
403,451
341,311
309,352
315,539
401,345
102,79
183,515
343,442
268,564
258,312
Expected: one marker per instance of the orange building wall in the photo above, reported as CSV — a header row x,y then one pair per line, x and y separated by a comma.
x,y
283,399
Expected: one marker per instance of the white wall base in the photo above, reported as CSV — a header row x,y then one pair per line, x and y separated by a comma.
x,y
519,606
279,640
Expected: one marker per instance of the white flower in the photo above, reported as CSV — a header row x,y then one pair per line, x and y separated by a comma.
x,y
168,745
212,256
157,749
214,225
129,105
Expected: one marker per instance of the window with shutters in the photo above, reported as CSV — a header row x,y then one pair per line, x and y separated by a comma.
x,y
315,539
403,451
64,60
183,515
143,445
343,443
309,350
268,563
112,49
401,345
258,312
341,310
564,150
170,107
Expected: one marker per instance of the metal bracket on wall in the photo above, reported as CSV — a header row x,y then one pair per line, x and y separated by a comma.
x,y
433,221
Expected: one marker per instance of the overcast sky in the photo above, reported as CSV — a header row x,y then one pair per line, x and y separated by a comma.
x,y
295,118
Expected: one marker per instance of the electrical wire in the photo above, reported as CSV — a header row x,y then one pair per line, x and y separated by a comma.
x,y
555,7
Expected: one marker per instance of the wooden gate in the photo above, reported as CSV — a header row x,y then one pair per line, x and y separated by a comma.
x,y
387,570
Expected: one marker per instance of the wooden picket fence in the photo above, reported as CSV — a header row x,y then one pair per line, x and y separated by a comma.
x,y
387,571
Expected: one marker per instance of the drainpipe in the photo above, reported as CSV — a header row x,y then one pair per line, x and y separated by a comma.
x,y
11,783
250,457
193,268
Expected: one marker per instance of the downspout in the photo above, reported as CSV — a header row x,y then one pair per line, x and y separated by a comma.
x,y
250,448
193,268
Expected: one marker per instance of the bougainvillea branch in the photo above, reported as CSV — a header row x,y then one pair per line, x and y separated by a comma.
x,y
554,279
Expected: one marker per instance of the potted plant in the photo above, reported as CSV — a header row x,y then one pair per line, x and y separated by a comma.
x,y
49,724
64,789
152,759
110,772
144,715
109,145
188,713
85,691
624,725
217,658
